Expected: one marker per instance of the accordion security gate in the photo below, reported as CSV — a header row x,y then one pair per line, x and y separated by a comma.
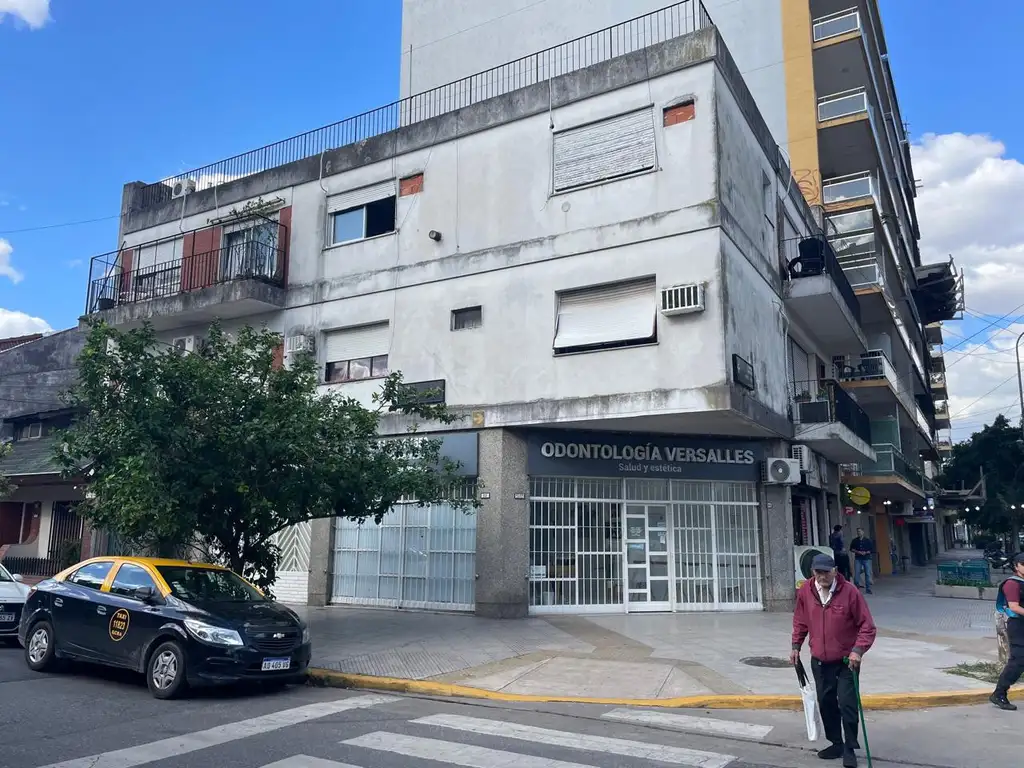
x,y
600,545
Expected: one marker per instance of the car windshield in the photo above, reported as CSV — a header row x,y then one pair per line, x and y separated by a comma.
x,y
5,574
207,585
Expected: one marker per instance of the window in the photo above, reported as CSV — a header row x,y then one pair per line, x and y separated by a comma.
x,y
361,213
129,578
606,317
93,575
31,431
468,318
769,199
205,585
250,251
353,354
604,150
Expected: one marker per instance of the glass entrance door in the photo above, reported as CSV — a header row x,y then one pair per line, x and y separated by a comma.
x,y
647,558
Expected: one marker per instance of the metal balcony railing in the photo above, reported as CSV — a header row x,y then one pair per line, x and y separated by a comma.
x,y
842,104
627,37
836,24
888,461
855,186
937,379
243,261
826,402
817,258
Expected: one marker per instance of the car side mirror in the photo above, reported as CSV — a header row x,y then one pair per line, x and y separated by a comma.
x,y
18,578
145,594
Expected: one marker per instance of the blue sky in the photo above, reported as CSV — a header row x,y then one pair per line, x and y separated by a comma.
x,y
99,92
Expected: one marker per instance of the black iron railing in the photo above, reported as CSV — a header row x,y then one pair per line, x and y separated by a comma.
x,y
243,261
826,402
32,566
629,36
816,257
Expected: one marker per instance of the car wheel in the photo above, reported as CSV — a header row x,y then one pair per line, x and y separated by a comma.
x,y
40,647
165,673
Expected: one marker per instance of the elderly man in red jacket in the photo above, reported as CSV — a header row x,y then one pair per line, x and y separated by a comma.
x,y
836,615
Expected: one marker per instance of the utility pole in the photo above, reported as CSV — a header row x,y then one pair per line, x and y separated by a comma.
x,y
1020,384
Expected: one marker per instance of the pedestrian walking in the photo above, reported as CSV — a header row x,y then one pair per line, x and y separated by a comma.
x,y
836,615
863,550
1008,603
838,546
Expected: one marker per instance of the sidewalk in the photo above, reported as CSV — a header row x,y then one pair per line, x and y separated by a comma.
x,y
654,656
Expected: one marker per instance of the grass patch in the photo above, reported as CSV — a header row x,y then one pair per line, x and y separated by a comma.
x,y
986,671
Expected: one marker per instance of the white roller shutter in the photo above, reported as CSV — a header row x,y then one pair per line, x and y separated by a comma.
x,y
606,314
357,197
356,343
604,150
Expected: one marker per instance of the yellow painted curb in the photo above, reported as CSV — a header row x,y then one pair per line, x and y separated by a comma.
x,y
886,701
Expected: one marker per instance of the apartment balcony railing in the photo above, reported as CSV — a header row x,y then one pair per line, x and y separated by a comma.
x,y
836,24
856,186
888,461
842,104
826,402
937,379
627,37
942,418
863,271
817,258
873,365
945,445
922,420
244,261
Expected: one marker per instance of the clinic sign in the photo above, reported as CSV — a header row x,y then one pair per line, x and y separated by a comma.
x,y
602,454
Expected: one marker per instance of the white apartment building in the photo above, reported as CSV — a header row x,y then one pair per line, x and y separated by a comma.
x,y
612,277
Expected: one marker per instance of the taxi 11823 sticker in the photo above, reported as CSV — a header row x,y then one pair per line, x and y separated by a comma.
x,y
119,624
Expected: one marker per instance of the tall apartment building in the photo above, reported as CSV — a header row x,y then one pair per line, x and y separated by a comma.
x,y
600,257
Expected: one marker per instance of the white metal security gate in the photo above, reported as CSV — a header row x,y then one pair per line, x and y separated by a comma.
x,y
600,545
417,557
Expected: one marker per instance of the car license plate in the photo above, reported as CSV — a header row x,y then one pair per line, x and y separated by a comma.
x,y
6,618
269,665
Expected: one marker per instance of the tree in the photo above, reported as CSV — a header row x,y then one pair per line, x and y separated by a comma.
x,y
225,447
996,450
6,487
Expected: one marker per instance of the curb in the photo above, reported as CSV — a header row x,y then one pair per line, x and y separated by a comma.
x,y
878,702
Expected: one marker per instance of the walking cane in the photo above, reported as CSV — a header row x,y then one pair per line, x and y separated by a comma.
x,y
860,709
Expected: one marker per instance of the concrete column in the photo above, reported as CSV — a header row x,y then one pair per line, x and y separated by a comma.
x,y
502,527
321,562
779,579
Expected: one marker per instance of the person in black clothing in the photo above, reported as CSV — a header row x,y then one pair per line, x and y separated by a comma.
x,y
1009,603
835,541
863,550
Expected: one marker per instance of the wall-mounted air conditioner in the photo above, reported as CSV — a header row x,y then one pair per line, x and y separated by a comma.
x,y
187,343
804,455
183,187
780,471
682,299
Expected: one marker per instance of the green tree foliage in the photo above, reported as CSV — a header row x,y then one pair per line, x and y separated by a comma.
x,y
996,450
6,487
224,448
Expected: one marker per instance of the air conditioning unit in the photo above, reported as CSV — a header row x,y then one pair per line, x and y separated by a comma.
x,y
682,299
804,455
780,471
802,559
187,343
183,187
299,344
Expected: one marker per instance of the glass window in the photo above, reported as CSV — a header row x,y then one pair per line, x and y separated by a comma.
x,y
93,575
31,431
379,367
129,578
465,319
207,584
360,369
348,225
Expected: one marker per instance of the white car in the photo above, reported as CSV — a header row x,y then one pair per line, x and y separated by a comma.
x,y
12,599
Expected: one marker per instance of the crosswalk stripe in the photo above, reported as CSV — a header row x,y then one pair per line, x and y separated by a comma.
x,y
580,741
305,761
221,734
689,723
466,755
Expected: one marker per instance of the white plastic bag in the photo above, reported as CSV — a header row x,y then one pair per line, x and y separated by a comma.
x,y
810,699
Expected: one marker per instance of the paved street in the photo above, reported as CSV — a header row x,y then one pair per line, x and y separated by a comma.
x,y
88,718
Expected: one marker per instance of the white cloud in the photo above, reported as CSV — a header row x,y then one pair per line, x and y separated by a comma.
x,y
969,207
75,263
13,323
982,378
34,13
6,268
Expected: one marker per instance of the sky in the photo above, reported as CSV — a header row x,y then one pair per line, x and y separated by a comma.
x,y
95,93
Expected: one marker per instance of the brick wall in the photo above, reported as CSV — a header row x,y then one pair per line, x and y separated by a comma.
x,y
292,587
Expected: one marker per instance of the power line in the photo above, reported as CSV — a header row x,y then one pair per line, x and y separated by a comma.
x,y
1009,378
979,332
58,226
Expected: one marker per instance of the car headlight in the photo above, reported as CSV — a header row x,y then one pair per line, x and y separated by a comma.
x,y
211,634
305,635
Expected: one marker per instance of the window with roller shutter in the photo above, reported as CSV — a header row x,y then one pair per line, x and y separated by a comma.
x,y
361,213
607,317
357,353
609,149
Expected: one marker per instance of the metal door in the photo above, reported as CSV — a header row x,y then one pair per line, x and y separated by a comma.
x,y
647,558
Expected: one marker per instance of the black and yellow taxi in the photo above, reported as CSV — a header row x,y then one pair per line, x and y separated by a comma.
x,y
180,623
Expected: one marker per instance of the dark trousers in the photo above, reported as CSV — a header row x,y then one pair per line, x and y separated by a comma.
x,y
843,564
1015,664
837,701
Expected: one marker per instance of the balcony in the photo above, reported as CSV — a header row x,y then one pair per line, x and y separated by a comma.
x,y
830,421
945,446
839,105
942,419
835,25
876,381
819,293
850,191
245,278
937,380
933,334
890,475
938,359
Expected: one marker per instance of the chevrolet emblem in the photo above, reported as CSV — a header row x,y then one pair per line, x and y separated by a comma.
x,y
278,635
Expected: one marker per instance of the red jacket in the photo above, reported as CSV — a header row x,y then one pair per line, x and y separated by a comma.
x,y
836,629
